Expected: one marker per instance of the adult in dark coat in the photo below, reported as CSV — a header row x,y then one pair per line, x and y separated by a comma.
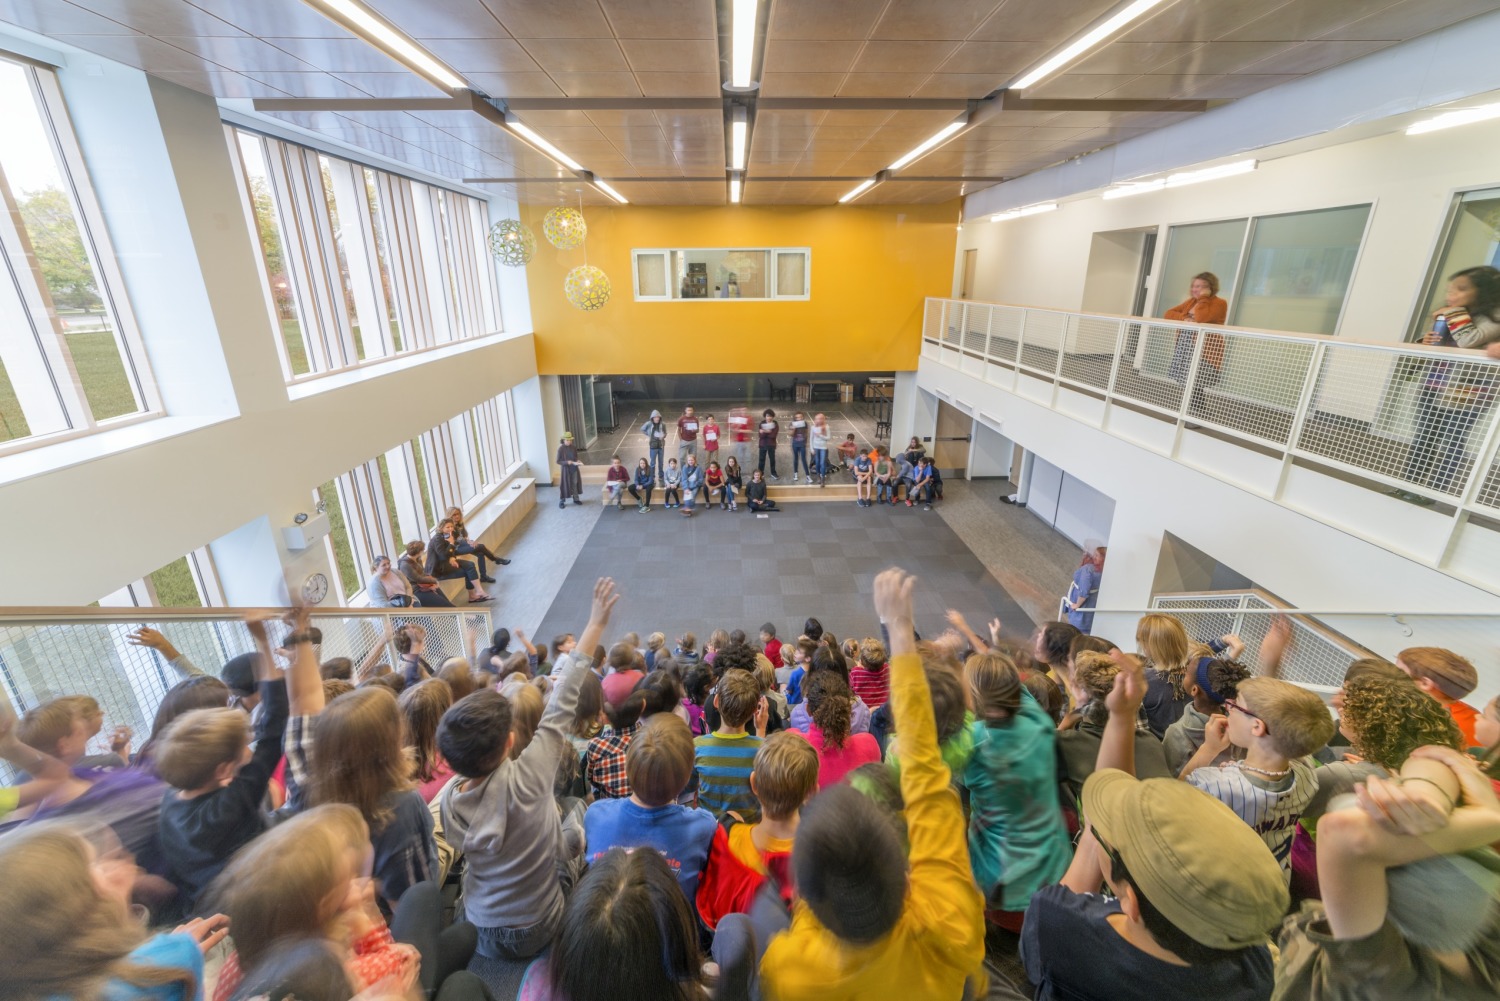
x,y
570,480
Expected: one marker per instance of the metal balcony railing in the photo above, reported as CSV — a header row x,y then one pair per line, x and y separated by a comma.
x,y
46,652
1393,417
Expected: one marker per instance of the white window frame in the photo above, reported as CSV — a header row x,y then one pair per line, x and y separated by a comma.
x,y
48,376
771,273
444,286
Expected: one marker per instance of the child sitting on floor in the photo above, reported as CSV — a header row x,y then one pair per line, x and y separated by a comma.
x,y
745,855
658,766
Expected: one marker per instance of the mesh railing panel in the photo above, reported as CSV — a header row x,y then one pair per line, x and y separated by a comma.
x,y
932,318
1043,340
1317,657
1005,332
1146,364
1254,388
953,317
976,328
1089,351
40,660
1412,420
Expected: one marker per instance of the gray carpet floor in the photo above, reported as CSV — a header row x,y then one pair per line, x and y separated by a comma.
x,y
736,570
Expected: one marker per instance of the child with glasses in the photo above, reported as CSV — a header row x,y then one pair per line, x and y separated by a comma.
x,y
1278,725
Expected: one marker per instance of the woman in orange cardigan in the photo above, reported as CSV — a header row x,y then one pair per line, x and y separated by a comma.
x,y
1203,305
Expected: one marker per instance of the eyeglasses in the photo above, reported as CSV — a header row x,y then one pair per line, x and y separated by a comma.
x,y
1231,704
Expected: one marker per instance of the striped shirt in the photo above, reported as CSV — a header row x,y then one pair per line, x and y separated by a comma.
x,y
872,685
724,762
1270,806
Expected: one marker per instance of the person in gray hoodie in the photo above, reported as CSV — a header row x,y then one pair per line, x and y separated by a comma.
x,y
655,431
501,814
1209,683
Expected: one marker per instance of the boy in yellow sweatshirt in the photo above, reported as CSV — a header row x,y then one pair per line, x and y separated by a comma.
x,y
872,921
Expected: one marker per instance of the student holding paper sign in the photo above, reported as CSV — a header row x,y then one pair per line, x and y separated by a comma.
x,y
710,438
768,431
799,445
687,435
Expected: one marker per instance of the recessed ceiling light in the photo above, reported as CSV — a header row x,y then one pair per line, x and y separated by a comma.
x,y
734,189
930,144
1037,209
611,192
742,44
864,186
526,133
1462,116
380,33
1081,45
739,134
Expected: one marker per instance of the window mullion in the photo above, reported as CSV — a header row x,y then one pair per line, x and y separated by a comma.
x,y
360,255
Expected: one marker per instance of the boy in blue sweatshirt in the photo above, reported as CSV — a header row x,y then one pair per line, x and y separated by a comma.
x,y
659,765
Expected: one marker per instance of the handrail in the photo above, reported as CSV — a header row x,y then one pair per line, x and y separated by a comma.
x,y
1412,420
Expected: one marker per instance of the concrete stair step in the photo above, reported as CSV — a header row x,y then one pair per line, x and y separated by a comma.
x,y
839,488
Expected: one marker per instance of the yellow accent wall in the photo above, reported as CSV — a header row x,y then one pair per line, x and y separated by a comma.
x,y
871,268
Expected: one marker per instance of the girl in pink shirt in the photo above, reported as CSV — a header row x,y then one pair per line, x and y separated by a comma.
x,y
831,706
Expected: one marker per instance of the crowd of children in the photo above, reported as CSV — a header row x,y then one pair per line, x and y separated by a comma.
x,y
964,816
880,476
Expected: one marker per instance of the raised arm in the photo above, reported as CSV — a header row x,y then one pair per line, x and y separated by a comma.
x,y
1273,648
942,894
152,639
1396,823
371,659
304,683
47,772
1117,747
957,621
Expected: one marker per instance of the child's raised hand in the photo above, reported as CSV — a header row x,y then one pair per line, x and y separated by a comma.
x,y
1216,734
893,589
762,716
604,600
207,932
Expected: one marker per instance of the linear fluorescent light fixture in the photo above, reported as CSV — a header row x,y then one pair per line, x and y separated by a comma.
x,y
1463,116
860,189
1027,210
739,134
1182,179
380,33
931,143
611,192
734,189
742,43
520,129
1084,43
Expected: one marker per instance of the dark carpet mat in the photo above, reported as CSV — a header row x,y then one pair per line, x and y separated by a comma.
x,y
735,570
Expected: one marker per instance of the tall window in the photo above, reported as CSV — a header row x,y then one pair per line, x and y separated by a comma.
x,y
70,356
400,496
187,582
361,264
1298,268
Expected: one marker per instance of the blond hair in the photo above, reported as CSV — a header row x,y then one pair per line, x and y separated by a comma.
x,y
1297,723
63,937
42,727
526,705
655,641
660,759
292,880
1166,647
738,696
334,687
785,774
994,686
765,674
191,750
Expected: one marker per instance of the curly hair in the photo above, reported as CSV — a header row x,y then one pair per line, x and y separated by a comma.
x,y
1386,720
831,705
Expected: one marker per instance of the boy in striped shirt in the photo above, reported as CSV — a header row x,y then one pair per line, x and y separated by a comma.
x,y
726,757
1278,725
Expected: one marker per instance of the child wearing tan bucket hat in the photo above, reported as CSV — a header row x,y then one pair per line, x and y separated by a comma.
x,y
1193,885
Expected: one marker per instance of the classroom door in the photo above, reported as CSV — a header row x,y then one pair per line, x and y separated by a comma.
x,y
966,286
950,442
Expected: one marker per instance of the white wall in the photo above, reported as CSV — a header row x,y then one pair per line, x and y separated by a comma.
x,y
1038,260
236,458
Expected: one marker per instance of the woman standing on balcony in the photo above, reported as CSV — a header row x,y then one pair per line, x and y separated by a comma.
x,y
1453,395
1202,306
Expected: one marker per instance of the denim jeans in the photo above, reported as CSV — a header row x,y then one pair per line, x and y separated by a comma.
x,y
820,461
518,943
658,464
799,452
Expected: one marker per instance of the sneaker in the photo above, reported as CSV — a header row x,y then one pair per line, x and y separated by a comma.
x,y
775,477
487,580
926,507
908,502
734,507
562,503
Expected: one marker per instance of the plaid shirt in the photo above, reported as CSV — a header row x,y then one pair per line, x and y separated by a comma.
x,y
604,763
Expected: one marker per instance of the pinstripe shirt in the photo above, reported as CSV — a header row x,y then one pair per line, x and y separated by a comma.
x,y
1270,806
